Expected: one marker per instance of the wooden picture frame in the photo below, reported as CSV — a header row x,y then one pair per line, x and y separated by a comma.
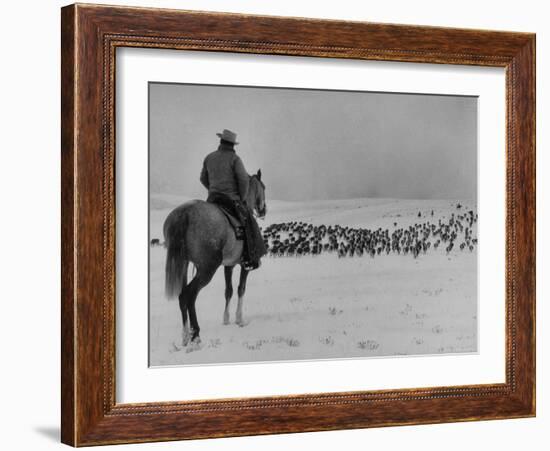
x,y
90,35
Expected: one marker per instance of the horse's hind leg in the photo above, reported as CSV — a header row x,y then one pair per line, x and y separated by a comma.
x,y
183,308
240,291
228,272
201,279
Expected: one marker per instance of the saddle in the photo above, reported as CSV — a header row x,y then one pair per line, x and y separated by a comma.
x,y
235,223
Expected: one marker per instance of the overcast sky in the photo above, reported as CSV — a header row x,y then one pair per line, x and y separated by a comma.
x,y
316,144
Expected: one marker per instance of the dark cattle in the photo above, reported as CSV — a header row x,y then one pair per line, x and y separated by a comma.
x,y
298,238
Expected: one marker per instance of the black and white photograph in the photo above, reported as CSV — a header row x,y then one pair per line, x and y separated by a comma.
x,y
291,224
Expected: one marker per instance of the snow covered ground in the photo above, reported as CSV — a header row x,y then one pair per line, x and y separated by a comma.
x,y
325,307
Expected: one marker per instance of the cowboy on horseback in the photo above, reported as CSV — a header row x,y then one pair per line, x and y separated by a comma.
x,y
202,234
224,176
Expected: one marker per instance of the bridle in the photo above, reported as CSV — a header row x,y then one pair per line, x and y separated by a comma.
x,y
257,215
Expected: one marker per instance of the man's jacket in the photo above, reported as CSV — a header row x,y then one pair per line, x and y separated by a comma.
x,y
223,172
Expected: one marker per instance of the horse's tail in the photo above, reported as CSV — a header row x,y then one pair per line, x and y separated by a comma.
x,y
176,261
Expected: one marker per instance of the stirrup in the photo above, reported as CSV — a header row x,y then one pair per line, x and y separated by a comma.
x,y
251,266
239,233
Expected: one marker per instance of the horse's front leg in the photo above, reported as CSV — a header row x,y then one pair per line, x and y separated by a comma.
x,y
240,291
228,272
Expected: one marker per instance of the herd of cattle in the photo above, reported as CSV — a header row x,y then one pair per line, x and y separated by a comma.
x,y
298,238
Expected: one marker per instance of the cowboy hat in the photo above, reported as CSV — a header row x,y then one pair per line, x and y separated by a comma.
x,y
228,135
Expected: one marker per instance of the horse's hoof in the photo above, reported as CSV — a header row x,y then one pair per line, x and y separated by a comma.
x,y
241,323
174,348
226,321
195,345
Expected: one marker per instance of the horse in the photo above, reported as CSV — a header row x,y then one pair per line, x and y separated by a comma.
x,y
198,232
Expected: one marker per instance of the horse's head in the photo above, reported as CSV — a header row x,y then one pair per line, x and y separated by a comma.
x,y
256,194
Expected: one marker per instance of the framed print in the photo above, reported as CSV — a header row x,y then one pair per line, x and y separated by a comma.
x,y
280,224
